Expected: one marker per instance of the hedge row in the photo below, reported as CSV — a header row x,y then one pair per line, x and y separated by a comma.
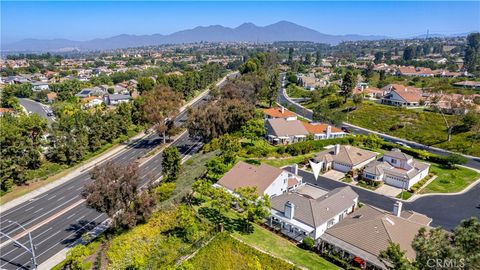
x,y
309,146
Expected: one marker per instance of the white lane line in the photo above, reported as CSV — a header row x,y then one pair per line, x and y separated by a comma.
x,y
71,216
30,208
54,195
38,210
78,188
70,187
78,219
59,199
46,213
19,255
27,204
26,242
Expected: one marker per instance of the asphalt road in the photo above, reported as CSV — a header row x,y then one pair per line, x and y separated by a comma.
x,y
446,210
36,107
59,217
473,162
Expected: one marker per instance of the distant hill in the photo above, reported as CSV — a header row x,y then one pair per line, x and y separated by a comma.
x,y
247,32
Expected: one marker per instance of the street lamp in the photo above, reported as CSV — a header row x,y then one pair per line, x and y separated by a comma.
x,y
32,248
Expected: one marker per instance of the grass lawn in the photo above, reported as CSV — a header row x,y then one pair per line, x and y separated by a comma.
x,y
424,127
280,162
450,180
225,252
294,91
278,246
405,195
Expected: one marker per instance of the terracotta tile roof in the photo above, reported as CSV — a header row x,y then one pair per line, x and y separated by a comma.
x,y
407,93
248,175
276,112
317,128
6,110
292,182
51,95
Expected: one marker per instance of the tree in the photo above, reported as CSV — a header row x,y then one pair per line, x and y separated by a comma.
x,y
114,191
160,106
348,83
145,84
171,164
357,99
378,57
253,129
396,257
308,242
472,53
368,72
273,86
456,159
318,58
408,53
308,59
255,206
290,56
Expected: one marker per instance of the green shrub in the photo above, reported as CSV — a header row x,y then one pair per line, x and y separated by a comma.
x,y
308,243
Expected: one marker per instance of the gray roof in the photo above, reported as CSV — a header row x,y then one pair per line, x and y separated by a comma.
x,y
417,168
396,153
377,167
119,97
347,155
315,212
370,229
285,128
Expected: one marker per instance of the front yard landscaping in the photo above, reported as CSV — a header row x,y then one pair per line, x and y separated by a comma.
x,y
450,180
278,246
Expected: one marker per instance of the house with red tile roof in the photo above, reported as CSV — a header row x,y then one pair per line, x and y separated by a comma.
x,y
279,112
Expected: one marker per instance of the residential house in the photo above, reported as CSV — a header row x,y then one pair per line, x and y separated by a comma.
x,y
362,235
396,169
87,92
279,112
51,96
283,131
404,96
369,92
468,84
268,180
92,101
344,158
415,71
4,111
115,99
310,211
40,86
310,82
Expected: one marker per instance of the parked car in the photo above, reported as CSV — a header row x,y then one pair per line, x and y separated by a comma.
x,y
403,144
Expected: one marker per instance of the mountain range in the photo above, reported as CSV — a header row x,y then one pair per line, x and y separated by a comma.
x,y
247,32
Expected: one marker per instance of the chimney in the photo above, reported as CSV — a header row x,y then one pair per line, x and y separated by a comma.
x,y
282,109
329,131
337,149
397,208
295,169
289,210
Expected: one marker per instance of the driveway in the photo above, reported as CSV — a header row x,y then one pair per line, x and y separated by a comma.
x,y
334,175
445,210
388,190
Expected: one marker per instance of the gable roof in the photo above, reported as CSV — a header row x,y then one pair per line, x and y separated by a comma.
x,y
396,153
248,175
347,155
407,93
281,127
315,212
370,229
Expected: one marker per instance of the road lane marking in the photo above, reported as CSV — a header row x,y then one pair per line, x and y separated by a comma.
x,y
63,211
26,242
54,195
59,199
38,210
78,219
30,208
71,215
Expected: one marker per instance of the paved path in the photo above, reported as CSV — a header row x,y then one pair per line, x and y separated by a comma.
x,y
32,106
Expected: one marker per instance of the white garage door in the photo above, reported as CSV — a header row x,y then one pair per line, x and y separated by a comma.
x,y
394,182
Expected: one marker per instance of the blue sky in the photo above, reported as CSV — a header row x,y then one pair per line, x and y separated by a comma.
x,y
87,20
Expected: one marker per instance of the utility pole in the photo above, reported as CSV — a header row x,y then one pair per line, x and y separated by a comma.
x,y
32,247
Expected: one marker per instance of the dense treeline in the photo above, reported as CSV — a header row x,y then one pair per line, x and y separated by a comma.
x,y
231,107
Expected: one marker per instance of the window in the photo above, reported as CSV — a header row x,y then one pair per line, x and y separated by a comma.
x,y
394,161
